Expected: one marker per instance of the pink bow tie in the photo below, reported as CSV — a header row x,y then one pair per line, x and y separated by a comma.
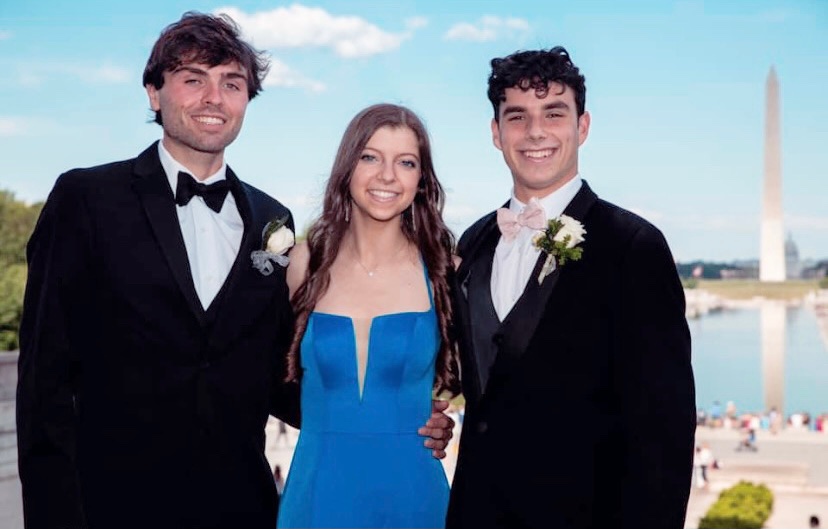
x,y
533,216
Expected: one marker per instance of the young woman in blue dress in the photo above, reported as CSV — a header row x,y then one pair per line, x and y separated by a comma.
x,y
374,338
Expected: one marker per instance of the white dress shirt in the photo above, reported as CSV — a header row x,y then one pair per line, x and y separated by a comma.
x,y
212,239
514,260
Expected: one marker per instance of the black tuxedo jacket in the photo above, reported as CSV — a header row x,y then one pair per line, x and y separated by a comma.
x,y
135,406
593,368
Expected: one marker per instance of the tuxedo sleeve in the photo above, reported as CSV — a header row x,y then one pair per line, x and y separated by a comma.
x,y
284,403
285,398
57,285
656,387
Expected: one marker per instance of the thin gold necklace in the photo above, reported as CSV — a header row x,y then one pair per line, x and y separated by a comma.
x,y
370,273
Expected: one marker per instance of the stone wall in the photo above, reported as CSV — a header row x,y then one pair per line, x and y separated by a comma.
x,y
8,430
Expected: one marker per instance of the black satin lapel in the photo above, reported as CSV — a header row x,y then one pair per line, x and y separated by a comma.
x,y
155,194
482,315
231,311
521,323
243,202
579,206
487,235
246,293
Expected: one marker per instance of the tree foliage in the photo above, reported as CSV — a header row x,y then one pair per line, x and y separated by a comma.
x,y
17,221
12,285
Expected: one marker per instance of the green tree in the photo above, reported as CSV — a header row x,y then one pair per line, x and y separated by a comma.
x,y
12,285
690,283
17,221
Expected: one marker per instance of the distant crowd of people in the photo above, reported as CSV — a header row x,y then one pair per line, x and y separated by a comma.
x,y
748,424
771,420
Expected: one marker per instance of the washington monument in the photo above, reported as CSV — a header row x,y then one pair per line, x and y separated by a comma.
x,y
772,261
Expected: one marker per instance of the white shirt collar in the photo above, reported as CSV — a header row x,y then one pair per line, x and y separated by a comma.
x,y
172,167
554,203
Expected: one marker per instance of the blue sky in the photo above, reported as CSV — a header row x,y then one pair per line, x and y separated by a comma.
x,y
675,89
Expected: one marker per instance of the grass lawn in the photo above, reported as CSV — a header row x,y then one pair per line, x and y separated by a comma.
x,y
749,288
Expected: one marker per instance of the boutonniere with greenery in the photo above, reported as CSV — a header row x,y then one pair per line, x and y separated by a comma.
x,y
560,242
277,239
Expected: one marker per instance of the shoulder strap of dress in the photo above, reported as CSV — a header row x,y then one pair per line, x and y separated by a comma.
x,y
427,283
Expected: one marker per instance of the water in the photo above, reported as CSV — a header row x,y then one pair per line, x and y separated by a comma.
x,y
734,359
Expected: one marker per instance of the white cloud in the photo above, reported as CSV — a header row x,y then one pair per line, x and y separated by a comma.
x,y
11,127
5,35
36,75
414,23
651,215
305,200
466,31
102,74
282,75
460,216
29,79
488,28
299,26
719,223
16,126
806,222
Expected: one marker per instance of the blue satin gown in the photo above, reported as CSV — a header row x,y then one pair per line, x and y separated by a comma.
x,y
359,461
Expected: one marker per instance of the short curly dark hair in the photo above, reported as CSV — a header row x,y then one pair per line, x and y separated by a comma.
x,y
535,70
208,39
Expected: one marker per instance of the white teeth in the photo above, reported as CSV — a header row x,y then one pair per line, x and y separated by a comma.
x,y
538,154
382,194
209,120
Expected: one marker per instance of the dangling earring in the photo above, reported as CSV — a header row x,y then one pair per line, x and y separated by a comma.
x,y
348,212
413,218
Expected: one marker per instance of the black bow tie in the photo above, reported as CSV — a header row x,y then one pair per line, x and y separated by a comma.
x,y
213,194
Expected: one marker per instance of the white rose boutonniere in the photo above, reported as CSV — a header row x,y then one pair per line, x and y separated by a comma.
x,y
277,239
280,240
560,242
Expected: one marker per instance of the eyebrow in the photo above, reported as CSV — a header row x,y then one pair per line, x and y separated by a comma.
x,y
190,69
235,75
556,105
369,148
514,109
201,71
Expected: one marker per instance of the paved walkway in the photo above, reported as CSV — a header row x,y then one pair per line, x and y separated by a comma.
x,y
793,464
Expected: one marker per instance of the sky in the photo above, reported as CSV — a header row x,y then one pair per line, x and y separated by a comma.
x,y
676,91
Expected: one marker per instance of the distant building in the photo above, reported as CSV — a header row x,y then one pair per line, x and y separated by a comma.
x,y
815,270
793,266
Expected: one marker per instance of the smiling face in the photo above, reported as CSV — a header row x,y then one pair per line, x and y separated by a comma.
x,y
384,181
202,108
539,138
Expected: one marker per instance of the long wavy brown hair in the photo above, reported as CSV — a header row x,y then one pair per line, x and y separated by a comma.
x,y
422,224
